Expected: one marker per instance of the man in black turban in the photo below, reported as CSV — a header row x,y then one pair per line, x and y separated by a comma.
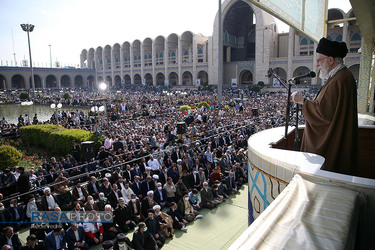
x,y
331,119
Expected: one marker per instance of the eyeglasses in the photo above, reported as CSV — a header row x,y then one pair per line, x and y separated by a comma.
x,y
318,60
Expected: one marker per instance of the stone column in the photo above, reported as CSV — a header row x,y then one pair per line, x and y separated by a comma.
x,y
364,74
153,62
195,59
142,62
290,52
179,61
314,81
345,37
229,54
166,59
131,64
122,75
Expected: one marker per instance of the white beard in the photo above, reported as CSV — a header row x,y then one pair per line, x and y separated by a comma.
x,y
324,70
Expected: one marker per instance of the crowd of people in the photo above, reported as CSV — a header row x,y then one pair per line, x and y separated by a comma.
x,y
148,173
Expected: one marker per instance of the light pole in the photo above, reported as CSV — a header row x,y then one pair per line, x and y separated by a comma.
x,y
103,86
29,28
50,56
220,60
56,107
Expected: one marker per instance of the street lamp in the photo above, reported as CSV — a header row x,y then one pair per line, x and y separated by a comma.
x,y
103,86
29,28
56,107
27,104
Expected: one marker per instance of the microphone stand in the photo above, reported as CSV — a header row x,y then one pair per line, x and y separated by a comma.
x,y
288,87
297,141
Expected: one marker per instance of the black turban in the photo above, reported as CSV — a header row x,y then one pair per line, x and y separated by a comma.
x,y
332,48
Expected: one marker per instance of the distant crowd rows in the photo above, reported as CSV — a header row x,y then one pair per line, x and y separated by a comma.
x,y
146,166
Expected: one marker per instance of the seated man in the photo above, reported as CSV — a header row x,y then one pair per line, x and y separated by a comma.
x,y
165,222
75,237
160,196
66,199
61,181
102,202
136,187
93,187
123,216
147,185
5,217
194,200
231,183
79,193
215,175
154,228
91,204
122,242
55,239
170,189
142,239
148,202
49,201
186,209
114,195
178,221
195,180
32,243
215,193
110,228
18,214
31,207
126,192
135,206
180,189
207,197
10,238
93,232
106,186
221,189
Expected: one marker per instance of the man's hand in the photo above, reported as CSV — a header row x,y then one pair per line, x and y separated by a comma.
x,y
297,98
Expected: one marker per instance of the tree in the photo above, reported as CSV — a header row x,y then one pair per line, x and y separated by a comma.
x,y
9,156
24,96
67,96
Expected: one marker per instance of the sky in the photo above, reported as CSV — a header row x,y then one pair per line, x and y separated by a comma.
x,y
70,26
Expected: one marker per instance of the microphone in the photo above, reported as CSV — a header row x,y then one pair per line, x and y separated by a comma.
x,y
297,78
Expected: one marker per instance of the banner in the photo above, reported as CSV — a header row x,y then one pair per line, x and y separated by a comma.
x,y
234,83
276,83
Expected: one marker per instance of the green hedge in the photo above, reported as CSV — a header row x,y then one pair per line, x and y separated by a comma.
x,y
201,104
184,108
9,156
56,138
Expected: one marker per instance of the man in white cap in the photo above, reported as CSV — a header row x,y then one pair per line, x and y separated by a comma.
x,y
332,118
49,201
154,165
148,202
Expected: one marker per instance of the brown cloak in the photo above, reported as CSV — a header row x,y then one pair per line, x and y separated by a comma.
x,y
332,124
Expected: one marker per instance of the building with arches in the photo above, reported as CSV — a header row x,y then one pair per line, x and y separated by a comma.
x,y
50,78
251,45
